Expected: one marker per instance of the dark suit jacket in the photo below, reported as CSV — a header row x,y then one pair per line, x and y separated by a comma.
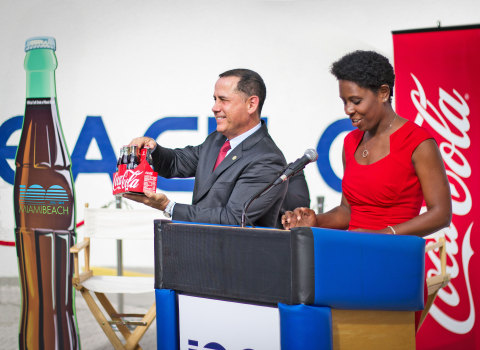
x,y
219,196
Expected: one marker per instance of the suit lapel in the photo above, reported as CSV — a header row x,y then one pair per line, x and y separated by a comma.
x,y
229,160
209,179
206,177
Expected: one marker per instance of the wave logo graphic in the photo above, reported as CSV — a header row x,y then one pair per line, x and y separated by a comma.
x,y
36,195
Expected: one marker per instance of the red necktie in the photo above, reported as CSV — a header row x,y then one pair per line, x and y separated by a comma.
x,y
222,153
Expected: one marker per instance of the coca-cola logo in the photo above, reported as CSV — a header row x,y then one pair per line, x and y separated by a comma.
x,y
126,181
451,125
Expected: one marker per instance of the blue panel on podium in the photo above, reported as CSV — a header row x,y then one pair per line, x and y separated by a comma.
x,y
305,327
167,320
368,271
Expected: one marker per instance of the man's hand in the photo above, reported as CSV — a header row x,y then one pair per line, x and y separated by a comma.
x,y
152,199
299,217
143,141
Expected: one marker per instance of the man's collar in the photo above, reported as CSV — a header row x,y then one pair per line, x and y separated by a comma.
x,y
238,139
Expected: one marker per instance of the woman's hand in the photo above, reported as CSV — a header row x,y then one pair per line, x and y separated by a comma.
x,y
299,217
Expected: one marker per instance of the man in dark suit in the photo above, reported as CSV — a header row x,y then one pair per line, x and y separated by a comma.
x,y
223,186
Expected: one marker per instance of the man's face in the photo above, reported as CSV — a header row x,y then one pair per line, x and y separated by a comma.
x,y
231,108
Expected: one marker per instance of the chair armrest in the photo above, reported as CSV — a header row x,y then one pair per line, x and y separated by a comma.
x,y
435,283
78,279
79,246
434,245
77,276
441,245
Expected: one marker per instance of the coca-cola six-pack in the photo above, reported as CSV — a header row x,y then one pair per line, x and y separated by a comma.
x,y
134,172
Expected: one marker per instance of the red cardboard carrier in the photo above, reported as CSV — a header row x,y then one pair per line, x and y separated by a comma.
x,y
138,180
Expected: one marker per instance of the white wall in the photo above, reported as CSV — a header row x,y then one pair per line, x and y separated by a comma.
x,y
136,62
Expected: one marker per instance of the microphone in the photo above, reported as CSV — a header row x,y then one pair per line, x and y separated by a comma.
x,y
309,156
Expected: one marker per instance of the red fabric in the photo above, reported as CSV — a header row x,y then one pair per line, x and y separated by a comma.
x,y
436,85
223,152
386,192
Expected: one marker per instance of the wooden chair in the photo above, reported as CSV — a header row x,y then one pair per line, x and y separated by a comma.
x,y
435,283
116,224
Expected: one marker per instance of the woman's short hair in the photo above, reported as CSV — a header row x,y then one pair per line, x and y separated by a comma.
x,y
367,69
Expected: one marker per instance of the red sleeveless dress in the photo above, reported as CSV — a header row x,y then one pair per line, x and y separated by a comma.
x,y
388,191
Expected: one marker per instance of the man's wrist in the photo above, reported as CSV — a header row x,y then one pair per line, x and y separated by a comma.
x,y
168,212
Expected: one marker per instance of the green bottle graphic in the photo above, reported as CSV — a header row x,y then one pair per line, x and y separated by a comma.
x,y
44,205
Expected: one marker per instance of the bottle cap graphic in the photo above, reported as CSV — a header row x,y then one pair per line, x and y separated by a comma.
x,y
40,42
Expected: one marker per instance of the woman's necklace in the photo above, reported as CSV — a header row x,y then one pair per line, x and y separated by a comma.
x,y
365,151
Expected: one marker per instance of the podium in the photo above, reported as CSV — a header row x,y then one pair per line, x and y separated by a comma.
x,y
221,287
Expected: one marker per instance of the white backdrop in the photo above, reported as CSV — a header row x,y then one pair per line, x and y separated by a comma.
x,y
133,63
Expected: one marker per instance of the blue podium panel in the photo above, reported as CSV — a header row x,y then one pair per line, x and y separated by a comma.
x,y
305,327
167,320
368,271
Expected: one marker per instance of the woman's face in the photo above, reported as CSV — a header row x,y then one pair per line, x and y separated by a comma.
x,y
364,107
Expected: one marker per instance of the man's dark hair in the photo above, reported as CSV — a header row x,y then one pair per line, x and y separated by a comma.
x,y
250,83
367,69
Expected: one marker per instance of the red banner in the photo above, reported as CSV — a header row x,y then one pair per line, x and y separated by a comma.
x,y
437,86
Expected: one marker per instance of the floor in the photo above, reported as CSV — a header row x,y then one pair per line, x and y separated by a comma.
x,y
91,335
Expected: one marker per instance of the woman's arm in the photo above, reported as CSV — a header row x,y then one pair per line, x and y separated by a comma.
x,y
430,170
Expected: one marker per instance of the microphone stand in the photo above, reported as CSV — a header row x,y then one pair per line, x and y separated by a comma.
x,y
259,194
297,166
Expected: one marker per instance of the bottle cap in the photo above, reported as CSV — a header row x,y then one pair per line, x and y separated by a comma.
x,y
40,42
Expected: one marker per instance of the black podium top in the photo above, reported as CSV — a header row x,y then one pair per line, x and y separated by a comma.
x,y
245,264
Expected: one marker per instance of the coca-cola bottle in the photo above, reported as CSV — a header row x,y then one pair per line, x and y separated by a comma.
x,y
120,157
148,157
126,155
44,205
133,159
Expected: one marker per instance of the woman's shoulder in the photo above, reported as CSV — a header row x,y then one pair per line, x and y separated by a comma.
x,y
411,135
413,130
353,137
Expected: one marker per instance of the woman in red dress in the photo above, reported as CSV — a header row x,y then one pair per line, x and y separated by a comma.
x,y
391,165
